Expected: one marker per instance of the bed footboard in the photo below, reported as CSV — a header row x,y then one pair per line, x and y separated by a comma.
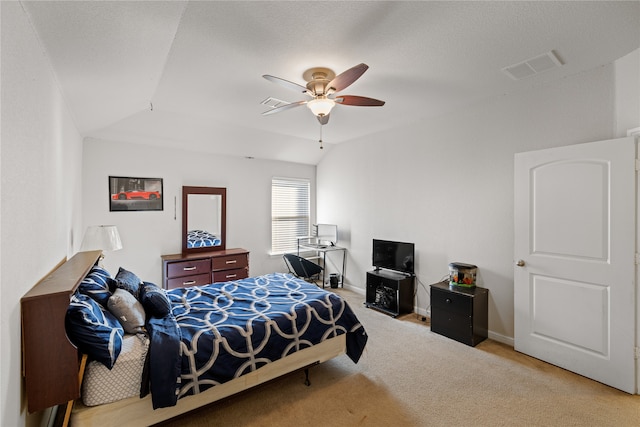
x,y
135,412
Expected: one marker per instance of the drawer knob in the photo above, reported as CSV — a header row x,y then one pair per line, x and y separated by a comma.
x,y
190,282
188,268
448,300
231,276
233,261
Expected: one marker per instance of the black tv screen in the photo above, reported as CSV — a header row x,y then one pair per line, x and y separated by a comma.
x,y
397,256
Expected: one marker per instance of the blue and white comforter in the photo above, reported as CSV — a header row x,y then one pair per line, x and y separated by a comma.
x,y
224,330
202,239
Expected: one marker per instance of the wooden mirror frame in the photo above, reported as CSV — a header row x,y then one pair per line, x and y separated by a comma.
x,y
220,191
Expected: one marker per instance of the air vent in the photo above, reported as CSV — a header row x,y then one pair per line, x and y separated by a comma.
x,y
533,66
274,102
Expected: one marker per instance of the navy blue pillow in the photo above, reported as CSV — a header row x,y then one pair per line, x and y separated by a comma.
x,y
95,331
128,281
154,300
97,284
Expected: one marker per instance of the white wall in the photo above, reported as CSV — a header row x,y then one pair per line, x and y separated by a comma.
x,y
627,92
40,168
447,184
148,235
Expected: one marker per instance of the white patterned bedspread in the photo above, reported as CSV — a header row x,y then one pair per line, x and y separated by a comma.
x,y
232,328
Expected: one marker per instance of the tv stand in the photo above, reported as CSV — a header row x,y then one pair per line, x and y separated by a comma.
x,y
389,292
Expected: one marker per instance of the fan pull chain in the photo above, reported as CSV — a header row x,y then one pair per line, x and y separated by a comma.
x,y
320,141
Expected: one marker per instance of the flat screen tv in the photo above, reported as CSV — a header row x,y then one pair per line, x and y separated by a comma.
x,y
396,256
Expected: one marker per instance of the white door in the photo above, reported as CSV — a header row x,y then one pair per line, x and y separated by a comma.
x,y
574,296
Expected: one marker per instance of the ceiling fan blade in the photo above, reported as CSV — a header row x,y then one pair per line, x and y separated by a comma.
x,y
360,101
284,107
286,83
324,119
345,79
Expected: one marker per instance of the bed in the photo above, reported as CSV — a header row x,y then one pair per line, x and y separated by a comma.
x,y
261,328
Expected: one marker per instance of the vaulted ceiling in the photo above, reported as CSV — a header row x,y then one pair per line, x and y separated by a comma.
x,y
189,74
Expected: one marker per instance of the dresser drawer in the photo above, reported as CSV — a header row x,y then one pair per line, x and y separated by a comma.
x,y
455,326
230,262
226,275
188,268
186,281
451,302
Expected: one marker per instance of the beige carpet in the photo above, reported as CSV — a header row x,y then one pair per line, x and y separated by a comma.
x,y
409,376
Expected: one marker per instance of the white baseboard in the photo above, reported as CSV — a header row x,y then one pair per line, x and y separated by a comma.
x,y
355,289
501,338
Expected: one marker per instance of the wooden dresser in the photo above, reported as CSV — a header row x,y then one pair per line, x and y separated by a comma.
x,y
202,268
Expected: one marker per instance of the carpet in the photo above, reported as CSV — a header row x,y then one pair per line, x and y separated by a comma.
x,y
410,376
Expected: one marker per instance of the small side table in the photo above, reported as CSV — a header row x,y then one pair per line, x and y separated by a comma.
x,y
460,313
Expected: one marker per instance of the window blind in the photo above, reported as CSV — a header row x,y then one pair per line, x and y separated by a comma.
x,y
290,217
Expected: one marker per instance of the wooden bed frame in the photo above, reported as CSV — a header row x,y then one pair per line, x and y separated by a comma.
x,y
52,366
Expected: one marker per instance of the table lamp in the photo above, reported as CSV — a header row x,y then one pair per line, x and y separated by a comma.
x,y
102,237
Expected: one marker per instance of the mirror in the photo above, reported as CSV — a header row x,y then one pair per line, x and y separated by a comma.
x,y
204,219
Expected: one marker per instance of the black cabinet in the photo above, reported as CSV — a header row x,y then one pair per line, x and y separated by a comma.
x,y
460,313
389,292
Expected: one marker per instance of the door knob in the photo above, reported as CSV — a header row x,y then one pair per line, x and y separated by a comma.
x,y
520,263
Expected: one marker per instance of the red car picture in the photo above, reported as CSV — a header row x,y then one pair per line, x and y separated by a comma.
x,y
136,195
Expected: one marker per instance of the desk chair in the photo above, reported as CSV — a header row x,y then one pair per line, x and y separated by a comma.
x,y
303,268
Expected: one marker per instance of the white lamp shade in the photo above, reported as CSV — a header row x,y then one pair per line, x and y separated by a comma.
x,y
102,237
321,106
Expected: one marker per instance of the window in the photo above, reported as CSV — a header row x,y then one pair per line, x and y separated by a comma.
x,y
290,217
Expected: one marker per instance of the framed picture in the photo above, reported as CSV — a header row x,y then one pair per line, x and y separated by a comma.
x,y
135,194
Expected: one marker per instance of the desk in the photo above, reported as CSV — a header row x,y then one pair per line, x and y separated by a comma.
x,y
305,245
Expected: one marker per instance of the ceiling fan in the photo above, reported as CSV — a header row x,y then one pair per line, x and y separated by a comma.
x,y
322,85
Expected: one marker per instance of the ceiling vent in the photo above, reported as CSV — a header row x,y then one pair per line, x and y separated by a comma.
x,y
533,66
274,102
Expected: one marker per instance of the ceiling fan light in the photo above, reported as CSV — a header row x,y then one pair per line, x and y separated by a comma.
x,y
321,106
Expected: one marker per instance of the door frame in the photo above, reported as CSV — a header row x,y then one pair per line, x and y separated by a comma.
x,y
635,132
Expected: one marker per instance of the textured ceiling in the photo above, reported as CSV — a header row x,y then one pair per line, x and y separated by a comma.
x,y
188,74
